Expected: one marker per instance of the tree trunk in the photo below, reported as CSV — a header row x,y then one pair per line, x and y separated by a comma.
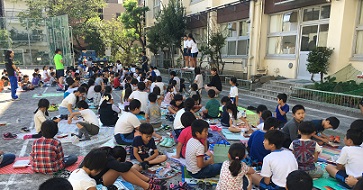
x,y
321,77
312,77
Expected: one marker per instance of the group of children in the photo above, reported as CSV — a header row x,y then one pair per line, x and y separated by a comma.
x,y
285,150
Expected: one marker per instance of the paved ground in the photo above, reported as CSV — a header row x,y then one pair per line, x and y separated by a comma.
x,y
23,109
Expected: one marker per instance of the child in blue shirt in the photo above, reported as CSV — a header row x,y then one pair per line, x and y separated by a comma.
x,y
281,109
225,115
255,144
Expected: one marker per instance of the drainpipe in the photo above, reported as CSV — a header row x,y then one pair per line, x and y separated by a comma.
x,y
250,57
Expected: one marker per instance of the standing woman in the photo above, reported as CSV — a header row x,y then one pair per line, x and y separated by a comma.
x,y
193,51
186,53
10,68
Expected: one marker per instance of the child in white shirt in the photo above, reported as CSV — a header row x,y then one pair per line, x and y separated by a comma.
x,y
140,95
233,93
93,164
349,162
274,168
90,125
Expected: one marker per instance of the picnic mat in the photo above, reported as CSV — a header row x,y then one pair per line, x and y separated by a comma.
x,y
327,182
329,153
216,136
252,117
233,136
105,133
119,183
45,95
28,170
193,181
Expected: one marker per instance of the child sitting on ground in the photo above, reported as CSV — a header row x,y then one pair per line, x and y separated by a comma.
x,y
291,128
169,96
259,111
97,96
117,166
127,125
126,94
142,146
225,115
306,151
66,107
26,84
93,164
90,125
265,114
234,172
197,103
212,106
349,162
35,80
153,112
274,168
108,111
187,119
158,94
47,155
39,117
255,144
196,165
140,95
281,109
177,124
235,117
176,104
321,125
299,180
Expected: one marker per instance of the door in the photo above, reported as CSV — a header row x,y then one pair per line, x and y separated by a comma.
x,y
312,36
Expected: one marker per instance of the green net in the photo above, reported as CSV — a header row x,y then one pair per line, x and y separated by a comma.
x,y
34,41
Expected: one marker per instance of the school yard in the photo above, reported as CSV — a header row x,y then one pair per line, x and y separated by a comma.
x,y
23,112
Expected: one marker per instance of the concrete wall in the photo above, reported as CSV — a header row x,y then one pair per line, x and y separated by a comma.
x,y
109,12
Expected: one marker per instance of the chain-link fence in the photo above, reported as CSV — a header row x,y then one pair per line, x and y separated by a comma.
x,y
34,41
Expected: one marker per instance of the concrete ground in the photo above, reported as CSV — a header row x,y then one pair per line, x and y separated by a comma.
x,y
10,111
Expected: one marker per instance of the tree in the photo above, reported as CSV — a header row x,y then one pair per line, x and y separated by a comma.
x,y
170,27
134,18
5,40
318,62
79,14
213,50
116,36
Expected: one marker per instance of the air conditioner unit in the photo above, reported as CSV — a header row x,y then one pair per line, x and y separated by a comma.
x,y
230,26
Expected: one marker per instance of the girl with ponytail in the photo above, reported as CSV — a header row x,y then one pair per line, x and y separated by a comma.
x,y
234,171
108,111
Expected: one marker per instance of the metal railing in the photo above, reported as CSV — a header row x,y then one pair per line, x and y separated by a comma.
x,y
338,99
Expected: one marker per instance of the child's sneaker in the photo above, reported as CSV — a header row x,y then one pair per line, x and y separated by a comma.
x,y
25,130
9,136
27,137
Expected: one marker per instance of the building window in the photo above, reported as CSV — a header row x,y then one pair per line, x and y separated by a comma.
x,y
156,8
237,38
283,33
358,50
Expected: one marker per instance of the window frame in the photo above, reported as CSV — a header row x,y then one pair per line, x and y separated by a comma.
x,y
156,8
358,28
283,34
236,38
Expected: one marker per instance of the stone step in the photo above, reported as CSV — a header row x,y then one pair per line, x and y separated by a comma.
x,y
267,92
261,95
280,89
290,82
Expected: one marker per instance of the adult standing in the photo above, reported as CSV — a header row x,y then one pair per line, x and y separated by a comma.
x,y
215,84
58,61
193,51
186,53
10,68
145,62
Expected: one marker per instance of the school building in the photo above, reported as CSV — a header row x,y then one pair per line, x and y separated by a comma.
x,y
273,37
